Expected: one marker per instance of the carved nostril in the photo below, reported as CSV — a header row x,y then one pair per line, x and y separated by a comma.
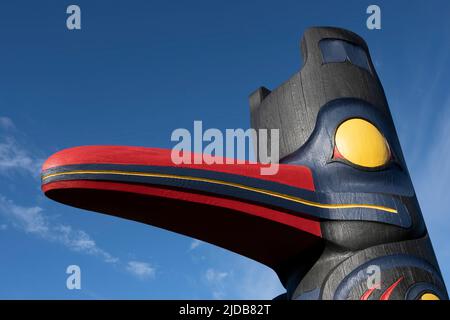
x,y
361,143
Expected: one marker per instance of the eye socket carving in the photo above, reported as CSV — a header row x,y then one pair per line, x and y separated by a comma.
x,y
336,50
359,142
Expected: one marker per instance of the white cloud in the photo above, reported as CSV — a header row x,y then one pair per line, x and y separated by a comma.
x,y
141,269
6,123
28,219
242,278
214,276
434,169
14,157
423,96
431,177
195,244
257,281
80,241
32,220
216,280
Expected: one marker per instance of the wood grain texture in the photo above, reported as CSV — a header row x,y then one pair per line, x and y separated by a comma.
x,y
405,252
293,106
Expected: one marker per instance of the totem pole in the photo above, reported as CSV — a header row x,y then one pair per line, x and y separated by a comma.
x,y
339,220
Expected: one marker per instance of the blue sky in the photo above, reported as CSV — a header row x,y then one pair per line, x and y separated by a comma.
x,y
140,69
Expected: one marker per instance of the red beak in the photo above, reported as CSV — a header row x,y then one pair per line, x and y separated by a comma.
x,y
230,205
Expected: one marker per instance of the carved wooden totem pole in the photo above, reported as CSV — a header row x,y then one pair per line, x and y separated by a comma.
x,y
340,219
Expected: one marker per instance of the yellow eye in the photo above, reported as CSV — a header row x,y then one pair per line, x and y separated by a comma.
x,y
429,296
360,142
